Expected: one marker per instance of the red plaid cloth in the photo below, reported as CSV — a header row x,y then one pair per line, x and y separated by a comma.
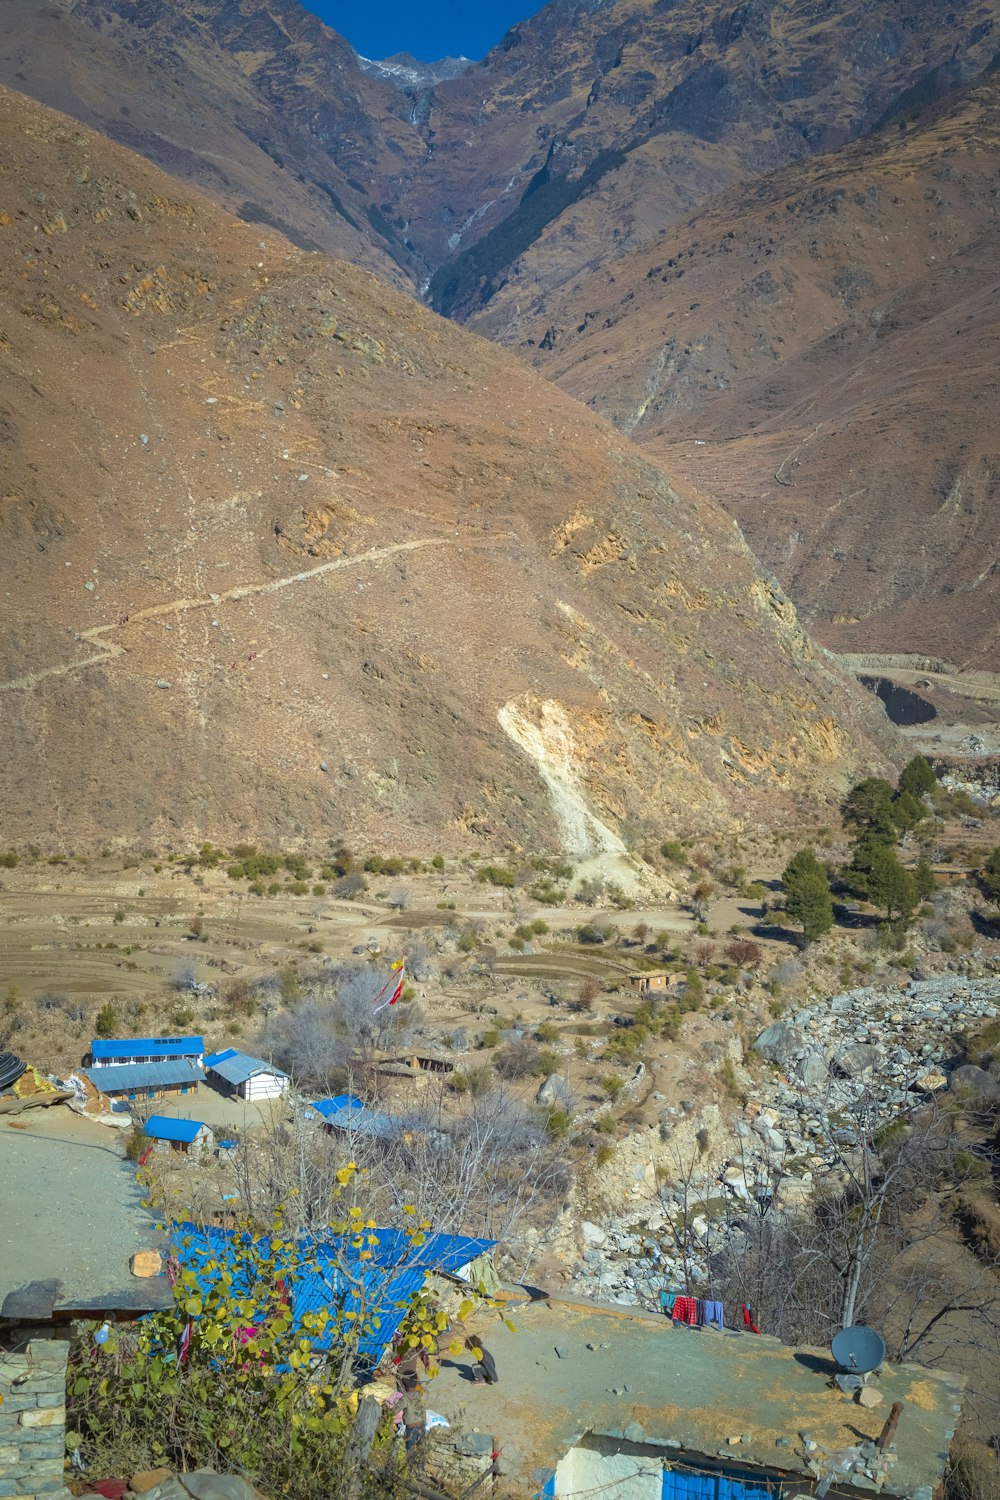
x,y
686,1311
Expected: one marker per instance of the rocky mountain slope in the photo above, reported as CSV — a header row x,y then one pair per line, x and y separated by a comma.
x,y
819,350
590,127
260,105
287,555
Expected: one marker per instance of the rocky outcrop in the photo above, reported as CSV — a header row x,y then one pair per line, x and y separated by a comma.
x,y
892,1047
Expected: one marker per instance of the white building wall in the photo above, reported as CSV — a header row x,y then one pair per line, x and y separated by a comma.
x,y
610,1476
263,1086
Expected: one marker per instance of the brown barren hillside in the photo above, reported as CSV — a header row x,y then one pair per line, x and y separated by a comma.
x,y
819,351
260,105
286,554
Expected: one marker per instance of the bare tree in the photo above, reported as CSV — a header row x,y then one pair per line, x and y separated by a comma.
x,y
871,1243
336,1027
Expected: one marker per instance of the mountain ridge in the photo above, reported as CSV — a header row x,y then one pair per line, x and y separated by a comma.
x,y
290,556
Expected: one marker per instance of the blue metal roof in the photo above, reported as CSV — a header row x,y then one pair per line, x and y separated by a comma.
x,y
147,1046
365,1121
217,1057
163,1128
378,1291
439,1252
238,1067
326,1107
121,1077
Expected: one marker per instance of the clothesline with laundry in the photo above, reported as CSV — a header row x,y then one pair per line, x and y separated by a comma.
x,y
696,1313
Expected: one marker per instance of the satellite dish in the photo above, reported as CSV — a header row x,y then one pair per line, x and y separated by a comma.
x,y
858,1350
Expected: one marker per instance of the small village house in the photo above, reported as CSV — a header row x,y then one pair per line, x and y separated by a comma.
x,y
113,1052
244,1077
654,981
151,1080
185,1137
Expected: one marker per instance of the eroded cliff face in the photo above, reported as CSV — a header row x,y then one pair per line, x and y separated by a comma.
x,y
286,554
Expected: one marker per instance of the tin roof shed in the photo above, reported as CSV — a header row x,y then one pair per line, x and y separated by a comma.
x,y
332,1275
237,1067
164,1128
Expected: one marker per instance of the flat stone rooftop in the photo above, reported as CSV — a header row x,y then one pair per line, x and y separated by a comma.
x,y
71,1213
691,1389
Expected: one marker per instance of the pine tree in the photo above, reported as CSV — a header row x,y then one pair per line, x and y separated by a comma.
x,y
807,894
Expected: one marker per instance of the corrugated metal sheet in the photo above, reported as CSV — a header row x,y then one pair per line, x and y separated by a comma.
x,y
102,1048
163,1128
681,1484
123,1077
378,1291
216,1057
364,1121
239,1067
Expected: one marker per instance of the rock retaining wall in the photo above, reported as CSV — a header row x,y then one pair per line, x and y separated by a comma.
x,y
33,1421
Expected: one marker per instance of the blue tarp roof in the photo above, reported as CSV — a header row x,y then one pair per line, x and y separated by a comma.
x,y
326,1107
239,1067
215,1057
147,1046
163,1128
388,1282
123,1076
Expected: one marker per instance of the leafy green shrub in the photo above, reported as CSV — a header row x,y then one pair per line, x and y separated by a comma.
x,y
547,1062
672,851
606,1123
262,1391
106,1022
547,1032
556,1120
613,1085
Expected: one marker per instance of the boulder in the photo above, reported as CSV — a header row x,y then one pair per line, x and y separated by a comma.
x,y
869,1396
975,1081
854,1060
146,1263
930,1082
812,1070
552,1090
593,1235
782,1044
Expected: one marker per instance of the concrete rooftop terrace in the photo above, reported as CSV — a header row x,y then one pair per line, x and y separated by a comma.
x,y
689,1389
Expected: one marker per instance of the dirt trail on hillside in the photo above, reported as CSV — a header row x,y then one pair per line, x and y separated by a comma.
x,y
110,651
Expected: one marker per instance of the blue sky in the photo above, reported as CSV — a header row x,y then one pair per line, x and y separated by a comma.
x,y
432,29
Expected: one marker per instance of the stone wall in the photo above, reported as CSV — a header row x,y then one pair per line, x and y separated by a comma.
x,y
33,1421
